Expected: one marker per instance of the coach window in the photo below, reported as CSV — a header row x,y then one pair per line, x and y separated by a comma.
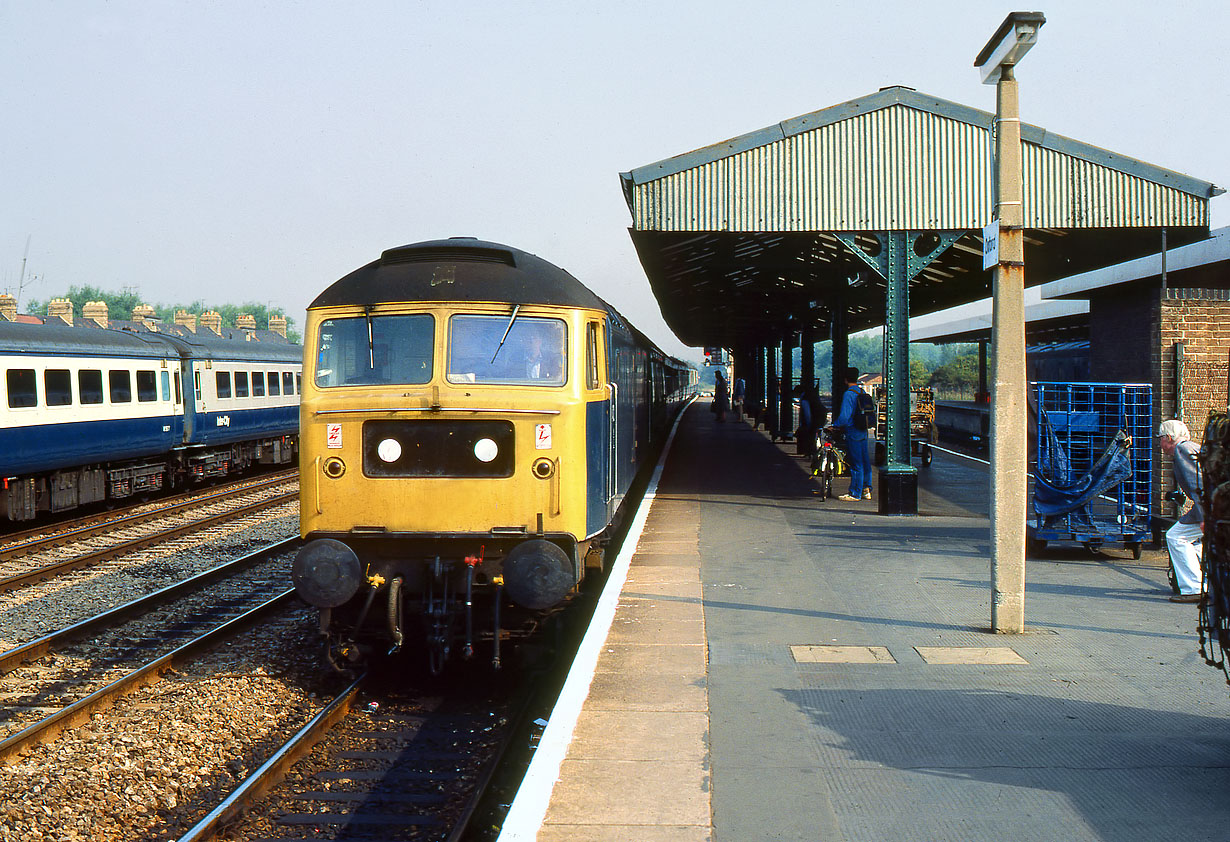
x,y
147,386
241,384
288,383
58,386
520,351
121,386
258,384
178,398
165,381
298,384
224,384
22,387
89,385
591,355
274,391
196,384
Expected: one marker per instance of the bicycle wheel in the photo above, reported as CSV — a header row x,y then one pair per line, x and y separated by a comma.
x,y
826,477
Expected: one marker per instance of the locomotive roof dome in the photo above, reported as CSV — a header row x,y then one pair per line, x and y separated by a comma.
x,y
459,269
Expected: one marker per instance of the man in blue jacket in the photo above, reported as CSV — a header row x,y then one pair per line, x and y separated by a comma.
x,y
1182,538
852,421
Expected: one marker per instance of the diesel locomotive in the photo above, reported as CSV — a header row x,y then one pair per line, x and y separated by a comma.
x,y
472,418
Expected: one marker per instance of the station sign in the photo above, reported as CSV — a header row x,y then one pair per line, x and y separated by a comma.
x,y
990,245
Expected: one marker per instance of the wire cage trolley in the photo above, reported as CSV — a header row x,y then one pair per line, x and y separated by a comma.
x,y
1092,464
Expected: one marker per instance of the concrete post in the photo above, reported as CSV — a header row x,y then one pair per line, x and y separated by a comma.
x,y
1008,438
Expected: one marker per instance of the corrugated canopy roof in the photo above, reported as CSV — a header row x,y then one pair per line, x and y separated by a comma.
x,y
738,236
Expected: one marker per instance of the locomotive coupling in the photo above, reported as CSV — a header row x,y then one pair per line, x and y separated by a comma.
x,y
538,574
326,573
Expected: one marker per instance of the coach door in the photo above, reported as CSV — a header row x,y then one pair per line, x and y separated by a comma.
x,y
184,394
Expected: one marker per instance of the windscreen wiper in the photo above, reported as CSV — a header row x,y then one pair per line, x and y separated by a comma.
x,y
511,319
371,347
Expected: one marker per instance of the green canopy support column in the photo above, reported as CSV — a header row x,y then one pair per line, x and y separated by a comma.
x,y
900,257
785,428
841,350
807,372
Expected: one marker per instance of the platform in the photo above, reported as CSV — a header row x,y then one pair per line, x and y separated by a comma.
x,y
784,669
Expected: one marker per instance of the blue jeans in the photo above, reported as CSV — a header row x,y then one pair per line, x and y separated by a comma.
x,y
860,461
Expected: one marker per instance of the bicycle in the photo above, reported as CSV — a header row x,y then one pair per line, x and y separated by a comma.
x,y
828,461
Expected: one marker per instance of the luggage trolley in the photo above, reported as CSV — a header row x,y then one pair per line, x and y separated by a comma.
x,y
923,432
1091,465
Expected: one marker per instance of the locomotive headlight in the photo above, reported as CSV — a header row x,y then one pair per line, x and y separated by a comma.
x,y
486,450
389,450
334,467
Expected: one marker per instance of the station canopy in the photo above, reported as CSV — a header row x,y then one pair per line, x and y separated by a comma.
x,y
744,237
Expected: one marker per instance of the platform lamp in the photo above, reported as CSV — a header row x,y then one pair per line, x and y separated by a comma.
x,y
1004,249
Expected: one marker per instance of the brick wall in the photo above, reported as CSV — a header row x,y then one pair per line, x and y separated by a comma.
x,y
1201,321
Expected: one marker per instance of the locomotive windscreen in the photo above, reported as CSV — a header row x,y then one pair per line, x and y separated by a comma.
x,y
375,350
508,350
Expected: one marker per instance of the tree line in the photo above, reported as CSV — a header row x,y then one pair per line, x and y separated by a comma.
x,y
121,304
951,370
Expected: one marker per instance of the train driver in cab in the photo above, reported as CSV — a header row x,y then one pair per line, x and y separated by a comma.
x,y
544,356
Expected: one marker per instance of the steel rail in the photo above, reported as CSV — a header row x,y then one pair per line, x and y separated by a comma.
x,y
10,659
89,559
47,728
274,769
17,544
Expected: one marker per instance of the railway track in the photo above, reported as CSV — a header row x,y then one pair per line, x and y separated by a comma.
x,y
104,544
59,680
401,768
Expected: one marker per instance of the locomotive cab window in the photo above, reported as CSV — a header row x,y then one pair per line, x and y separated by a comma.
x,y
591,355
374,351
507,350
58,386
23,387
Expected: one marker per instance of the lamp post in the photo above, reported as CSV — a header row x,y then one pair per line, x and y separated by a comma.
x,y
998,58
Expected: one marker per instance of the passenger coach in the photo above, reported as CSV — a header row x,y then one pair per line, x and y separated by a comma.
x,y
472,419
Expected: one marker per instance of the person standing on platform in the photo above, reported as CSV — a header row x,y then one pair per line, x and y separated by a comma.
x,y
736,397
852,421
1182,538
812,415
721,396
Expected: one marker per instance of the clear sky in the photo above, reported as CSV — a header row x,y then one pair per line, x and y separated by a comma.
x,y
258,151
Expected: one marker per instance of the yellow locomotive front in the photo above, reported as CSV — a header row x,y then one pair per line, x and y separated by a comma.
x,y
444,459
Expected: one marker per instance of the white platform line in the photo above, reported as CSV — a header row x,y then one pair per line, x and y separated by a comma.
x,y
529,807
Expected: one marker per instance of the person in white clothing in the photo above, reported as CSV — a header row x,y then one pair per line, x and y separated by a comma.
x,y
1184,539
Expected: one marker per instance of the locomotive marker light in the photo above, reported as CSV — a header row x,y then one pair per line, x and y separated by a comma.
x,y
1015,36
389,450
486,450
